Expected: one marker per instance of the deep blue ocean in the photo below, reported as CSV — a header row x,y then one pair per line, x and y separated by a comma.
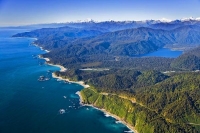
x,y
31,106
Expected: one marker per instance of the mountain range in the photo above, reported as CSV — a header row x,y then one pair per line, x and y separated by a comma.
x,y
126,42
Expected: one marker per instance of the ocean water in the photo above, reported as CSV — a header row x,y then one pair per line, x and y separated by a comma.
x,y
31,106
164,52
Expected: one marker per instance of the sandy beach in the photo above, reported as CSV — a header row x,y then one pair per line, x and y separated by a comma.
x,y
47,59
40,47
78,82
62,69
108,114
47,51
44,50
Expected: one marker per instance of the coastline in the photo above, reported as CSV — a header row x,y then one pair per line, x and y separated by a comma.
x,y
63,69
44,49
132,129
78,82
40,47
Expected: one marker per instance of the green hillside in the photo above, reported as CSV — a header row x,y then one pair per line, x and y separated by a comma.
x,y
188,61
169,106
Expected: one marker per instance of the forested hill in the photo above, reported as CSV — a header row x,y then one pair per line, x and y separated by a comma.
x,y
62,32
129,42
190,60
50,38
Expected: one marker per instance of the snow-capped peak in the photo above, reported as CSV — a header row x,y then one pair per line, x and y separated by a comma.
x,y
165,20
198,19
89,20
190,18
86,20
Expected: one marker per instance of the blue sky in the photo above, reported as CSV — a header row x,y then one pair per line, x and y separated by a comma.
x,y
23,12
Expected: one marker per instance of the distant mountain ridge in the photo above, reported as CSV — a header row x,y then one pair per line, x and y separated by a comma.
x,y
91,39
115,25
143,40
65,31
128,42
120,25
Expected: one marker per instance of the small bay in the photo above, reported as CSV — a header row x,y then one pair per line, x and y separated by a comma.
x,y
31,106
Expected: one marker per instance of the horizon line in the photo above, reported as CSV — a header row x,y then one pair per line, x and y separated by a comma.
x,y
164,20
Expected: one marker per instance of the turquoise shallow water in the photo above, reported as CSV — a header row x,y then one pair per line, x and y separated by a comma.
x,y
30,106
